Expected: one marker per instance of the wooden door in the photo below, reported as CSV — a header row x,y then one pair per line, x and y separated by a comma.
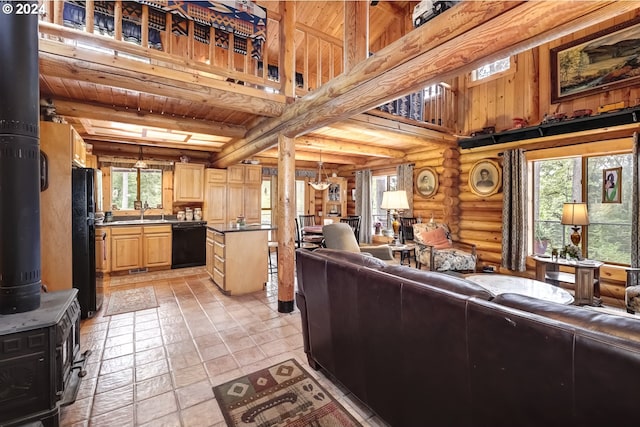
x,y
188,182
126,248
235,201
157,246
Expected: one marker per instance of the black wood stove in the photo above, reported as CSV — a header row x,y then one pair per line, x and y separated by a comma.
x,y
40,361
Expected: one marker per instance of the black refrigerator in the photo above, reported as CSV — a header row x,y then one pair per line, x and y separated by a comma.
x,y
83,241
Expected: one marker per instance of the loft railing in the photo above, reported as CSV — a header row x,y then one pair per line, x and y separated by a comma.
x,y
434,105
137,29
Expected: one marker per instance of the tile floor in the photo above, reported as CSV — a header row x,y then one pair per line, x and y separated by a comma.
x,y
156,367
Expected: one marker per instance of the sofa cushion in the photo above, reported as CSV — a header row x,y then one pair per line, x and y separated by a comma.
x,y
619,326
358,258
436,238
440,280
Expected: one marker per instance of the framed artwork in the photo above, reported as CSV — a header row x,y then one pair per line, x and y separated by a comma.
x,y
601,61
427,182
485,177
611,185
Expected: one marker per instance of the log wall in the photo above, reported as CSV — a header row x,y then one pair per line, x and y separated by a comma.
x,y
524,92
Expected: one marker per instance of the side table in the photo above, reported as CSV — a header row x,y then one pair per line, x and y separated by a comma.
x,y
405,251
586,277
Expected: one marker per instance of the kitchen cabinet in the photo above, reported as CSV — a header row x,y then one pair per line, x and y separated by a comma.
x,y
188,182
214,209
157,246
210,247
126,248
134,247
79,149
232,193
230,251
334,199
57,144
103,249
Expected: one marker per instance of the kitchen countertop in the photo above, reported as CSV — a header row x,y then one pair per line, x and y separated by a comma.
x,y
146,221
250,227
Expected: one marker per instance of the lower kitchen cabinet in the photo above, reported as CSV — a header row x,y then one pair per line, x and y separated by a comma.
x,y
140,247
126,248
103,249
230,252
157,246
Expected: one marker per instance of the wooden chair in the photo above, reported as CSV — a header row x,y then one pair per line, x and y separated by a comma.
x,y
406,229
307,220
354,223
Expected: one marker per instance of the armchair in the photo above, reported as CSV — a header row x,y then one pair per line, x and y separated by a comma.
x,y
340,235
436,249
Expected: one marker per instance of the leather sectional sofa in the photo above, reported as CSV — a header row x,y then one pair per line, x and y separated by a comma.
x,y
423,348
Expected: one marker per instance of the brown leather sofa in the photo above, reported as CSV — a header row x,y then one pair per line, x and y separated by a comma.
x,y
425,348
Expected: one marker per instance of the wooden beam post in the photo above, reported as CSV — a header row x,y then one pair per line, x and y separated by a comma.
x,y
286,221
356,33
89,16
287,48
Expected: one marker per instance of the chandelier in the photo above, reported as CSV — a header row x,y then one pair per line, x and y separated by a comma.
x,y
140,164
319,184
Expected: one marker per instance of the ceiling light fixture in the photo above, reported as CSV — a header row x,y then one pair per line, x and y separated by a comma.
x,y
140,164
319,184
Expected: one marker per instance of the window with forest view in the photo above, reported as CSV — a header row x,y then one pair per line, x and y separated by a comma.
x,y
380,184
126,189
608,236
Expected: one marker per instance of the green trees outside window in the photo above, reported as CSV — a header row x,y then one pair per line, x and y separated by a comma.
x,y
125,187
556,181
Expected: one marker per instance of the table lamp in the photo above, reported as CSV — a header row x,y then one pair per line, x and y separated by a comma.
x,y
395,201
575,214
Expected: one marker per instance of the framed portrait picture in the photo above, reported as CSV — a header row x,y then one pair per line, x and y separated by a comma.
x,y
611,185
427,182
601,61
485,177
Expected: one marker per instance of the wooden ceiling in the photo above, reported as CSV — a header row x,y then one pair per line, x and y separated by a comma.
x,y
117,102
111,105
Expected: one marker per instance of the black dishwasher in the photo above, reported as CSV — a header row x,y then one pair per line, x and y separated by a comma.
x,y
188,247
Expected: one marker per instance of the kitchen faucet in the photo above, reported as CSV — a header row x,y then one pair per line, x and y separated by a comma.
x,y
142,209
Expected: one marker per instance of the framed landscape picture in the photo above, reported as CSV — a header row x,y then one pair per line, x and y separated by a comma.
x,y
601,61
611,185
427,182
485,177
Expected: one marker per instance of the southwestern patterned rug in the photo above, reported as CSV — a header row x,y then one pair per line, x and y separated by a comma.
x,y
131,300
281,395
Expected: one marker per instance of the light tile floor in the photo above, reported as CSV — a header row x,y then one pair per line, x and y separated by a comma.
x,y
156,367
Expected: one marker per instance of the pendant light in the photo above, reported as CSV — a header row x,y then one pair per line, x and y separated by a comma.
x,y
319,184
140,164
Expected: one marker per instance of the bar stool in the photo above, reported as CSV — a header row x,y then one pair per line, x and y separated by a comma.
x,y
273,268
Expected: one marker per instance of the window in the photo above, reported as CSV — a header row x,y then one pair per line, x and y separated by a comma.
x,y
265,202
556,181
380,184
125,189
488,70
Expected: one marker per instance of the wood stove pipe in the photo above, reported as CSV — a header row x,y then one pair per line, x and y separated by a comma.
x,y
20,263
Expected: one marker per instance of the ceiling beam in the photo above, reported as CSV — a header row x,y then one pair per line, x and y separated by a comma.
x,y
454,41
94,111
321,144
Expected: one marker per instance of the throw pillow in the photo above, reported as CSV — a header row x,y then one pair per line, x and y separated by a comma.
x,y
436,238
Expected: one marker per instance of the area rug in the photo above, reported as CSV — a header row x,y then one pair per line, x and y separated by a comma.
x,y
131,300
282,395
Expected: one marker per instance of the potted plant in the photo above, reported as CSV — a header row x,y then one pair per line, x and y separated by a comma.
x,y
378,227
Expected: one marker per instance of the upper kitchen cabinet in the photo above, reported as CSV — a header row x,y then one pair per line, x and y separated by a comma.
x,y
79,149
214,209
188,182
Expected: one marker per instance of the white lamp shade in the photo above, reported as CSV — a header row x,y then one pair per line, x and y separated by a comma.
x,y
395,200
575,214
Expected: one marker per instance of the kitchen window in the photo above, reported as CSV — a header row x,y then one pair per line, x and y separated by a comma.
x,y
129,185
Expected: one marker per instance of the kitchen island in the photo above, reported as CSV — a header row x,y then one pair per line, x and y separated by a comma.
x,y
236,257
